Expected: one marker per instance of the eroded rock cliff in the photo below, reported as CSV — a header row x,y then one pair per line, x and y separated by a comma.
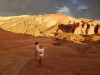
x,y
51,25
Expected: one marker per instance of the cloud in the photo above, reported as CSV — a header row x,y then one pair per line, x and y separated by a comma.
x,y
64,9
3,13
82,7
74,1
27,6
71,2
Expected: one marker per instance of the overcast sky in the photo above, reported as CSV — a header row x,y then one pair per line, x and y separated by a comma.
x,y
76,8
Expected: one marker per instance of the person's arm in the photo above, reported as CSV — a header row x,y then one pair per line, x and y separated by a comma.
x,y
41,50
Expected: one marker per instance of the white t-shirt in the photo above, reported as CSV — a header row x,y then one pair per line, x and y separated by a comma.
x,y
39,51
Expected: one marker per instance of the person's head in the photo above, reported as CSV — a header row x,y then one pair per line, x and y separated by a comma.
x,y
36,43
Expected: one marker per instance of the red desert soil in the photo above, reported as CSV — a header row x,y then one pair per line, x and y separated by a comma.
x,y
61,57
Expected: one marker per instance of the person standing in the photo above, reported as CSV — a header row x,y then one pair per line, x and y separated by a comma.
x,y
39,53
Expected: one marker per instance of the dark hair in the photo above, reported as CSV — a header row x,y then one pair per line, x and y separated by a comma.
x,y
36,43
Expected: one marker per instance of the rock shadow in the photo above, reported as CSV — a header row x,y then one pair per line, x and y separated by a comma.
x,y
65,28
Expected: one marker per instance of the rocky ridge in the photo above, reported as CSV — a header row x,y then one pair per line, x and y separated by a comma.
x,y
52,25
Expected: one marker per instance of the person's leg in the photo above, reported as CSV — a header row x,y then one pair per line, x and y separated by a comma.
x,y
36,56
40,61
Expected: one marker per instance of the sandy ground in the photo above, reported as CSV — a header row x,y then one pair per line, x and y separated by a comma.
x,y
61,57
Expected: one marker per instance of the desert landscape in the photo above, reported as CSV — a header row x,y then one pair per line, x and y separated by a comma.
x,y
72,46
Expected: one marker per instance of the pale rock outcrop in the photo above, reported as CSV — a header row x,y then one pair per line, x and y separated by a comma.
x,y
91,29
85,28
80,29
98,29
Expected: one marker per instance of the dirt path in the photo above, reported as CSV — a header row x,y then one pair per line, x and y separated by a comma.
x,y
66,58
